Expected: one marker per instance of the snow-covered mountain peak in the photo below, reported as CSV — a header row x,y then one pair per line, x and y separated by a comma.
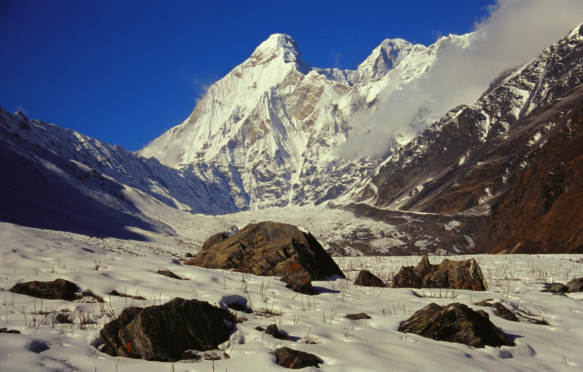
x,y
278,45
385,57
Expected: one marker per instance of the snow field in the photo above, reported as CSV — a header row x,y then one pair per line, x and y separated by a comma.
x,y
316,324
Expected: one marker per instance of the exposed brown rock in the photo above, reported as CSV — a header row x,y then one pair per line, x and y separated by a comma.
x,y
118,294
6,330
358,316
543,211
455,323
448,274
165,332
367,279
59,289
169,274
295,359
270,248
274,331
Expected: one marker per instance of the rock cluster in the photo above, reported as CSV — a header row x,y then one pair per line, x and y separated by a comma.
x,y
575,285
449,274
165,332
267,249
455,323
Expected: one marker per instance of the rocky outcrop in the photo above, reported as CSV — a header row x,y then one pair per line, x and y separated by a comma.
x,y
448,274
268,249
455,323
295,359
59,289
367,279
165,332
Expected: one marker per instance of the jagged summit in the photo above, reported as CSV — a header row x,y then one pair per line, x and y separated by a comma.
x,y
278,45
386,56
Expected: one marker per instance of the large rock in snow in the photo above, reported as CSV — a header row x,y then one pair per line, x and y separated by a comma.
x,y
59,289
455,323
367,279
449,274
270,248
295,359
164,332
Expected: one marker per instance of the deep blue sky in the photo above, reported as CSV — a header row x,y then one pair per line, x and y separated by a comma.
x,y
126,71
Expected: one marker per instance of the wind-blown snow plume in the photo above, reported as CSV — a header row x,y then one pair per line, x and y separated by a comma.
x,y
513,33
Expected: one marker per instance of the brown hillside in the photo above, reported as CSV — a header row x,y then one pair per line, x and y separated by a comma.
x,y
543,211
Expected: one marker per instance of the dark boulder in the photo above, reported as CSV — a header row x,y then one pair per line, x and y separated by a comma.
x,y
268,249
358,316
118,294
575,285
500,310
449,274
274,331
59,289
295,359
91,294
169,274
165,332
13,331
367,279
558,288
455,323
554,288
64,318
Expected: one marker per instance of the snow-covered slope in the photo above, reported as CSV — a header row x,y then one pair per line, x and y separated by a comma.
x,y
48,171
273,124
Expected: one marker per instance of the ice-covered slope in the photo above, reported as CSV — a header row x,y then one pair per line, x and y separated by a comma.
x,y
273,124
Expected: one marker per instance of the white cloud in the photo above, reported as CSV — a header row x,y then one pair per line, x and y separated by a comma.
x,y
515,32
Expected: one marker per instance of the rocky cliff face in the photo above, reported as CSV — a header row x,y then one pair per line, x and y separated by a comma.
x,y
273,124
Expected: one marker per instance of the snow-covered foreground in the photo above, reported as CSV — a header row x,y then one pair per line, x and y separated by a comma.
x,y
315,323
